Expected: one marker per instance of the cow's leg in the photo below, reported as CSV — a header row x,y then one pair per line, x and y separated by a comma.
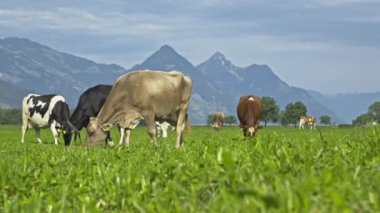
x,y
109,139
38,135
24,128
55,133
181,126
122,132
245,132
164,132
151,125
127,133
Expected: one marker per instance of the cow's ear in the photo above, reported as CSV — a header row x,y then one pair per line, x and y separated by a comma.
x,y
106,127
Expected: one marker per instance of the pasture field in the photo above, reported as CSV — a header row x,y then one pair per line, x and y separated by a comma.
x,y
281,170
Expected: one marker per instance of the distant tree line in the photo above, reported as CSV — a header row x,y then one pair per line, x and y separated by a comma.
x,y
272,113
369,118
10,116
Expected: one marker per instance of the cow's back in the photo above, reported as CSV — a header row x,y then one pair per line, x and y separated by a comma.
x,y
158,92
89,105
249,110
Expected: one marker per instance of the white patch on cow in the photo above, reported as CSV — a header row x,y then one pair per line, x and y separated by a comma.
x,y
251,99
41,104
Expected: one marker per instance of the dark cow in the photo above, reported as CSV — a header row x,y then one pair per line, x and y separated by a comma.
x,y
89,105
43,111
249,112
217,120
143,95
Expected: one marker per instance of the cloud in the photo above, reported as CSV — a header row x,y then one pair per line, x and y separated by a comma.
x,y
69,19
319,36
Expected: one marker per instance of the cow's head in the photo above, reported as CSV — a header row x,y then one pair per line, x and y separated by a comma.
x,y
250,131
216,126
96,134
67,131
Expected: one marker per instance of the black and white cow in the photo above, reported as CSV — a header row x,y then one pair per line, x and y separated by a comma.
x,y
43,111
89,105
162,129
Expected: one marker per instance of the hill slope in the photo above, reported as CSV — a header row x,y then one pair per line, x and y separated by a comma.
x,y
33,66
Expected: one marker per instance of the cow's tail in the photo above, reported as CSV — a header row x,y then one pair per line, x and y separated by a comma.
x,y
187,124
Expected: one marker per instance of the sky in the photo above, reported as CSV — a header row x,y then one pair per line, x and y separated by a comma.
x,y
331,46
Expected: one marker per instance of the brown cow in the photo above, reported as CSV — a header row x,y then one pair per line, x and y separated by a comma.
x,y
143,95
308,120
249,112
217,120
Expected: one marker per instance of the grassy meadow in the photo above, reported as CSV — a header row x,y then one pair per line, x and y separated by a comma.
x,y
281,170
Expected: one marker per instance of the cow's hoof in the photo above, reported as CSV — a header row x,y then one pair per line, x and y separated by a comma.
x,y
111,143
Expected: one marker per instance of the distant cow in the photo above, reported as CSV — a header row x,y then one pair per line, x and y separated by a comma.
x,y
143,95
307,120
89,105
162,129
43,111
249,112
217,120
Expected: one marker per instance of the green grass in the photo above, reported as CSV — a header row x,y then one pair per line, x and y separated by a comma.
x,y
282,169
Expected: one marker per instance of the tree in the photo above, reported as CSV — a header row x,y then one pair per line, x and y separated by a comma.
x,y
10,116
271,110
292,113
230,120
325,119
209,119
374,111
363,119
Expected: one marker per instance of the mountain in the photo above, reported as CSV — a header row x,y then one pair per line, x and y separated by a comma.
x,y
11,96
27,66
33,66
259,80
347,106
205,97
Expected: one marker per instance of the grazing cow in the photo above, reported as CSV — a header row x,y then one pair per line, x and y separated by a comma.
x,y
143,95
43,111
249,112
89,105
309,121
162,129
217,120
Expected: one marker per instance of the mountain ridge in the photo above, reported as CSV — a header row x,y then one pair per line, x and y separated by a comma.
x,y
217,82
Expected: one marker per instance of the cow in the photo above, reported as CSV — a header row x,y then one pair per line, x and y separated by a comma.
x,y
217,120
43,111
249,112
162,129
89,105
307,120
143,95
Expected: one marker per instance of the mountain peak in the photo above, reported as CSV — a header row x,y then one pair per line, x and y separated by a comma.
x,y
218,56
166,58
166,48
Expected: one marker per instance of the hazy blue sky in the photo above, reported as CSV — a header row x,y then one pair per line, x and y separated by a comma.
x,y
326,45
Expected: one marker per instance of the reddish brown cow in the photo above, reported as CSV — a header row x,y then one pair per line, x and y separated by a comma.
x,y
249,112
